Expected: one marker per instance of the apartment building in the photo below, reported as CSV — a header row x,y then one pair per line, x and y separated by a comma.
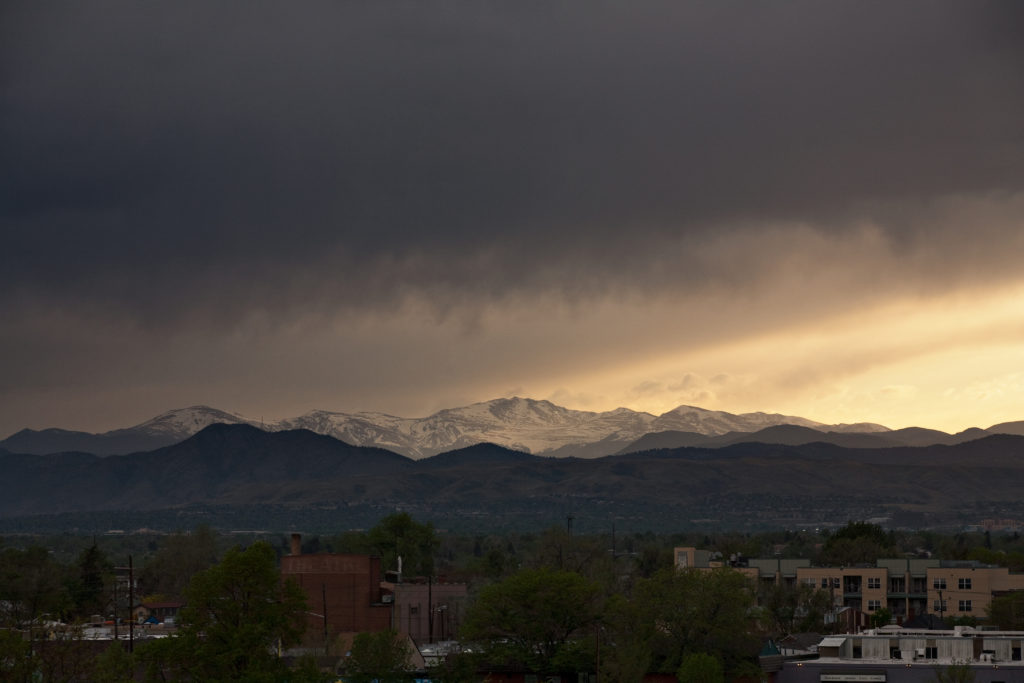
x,y
907,587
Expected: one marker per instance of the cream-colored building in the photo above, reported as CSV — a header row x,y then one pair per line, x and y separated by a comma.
x,y
907,587
911,656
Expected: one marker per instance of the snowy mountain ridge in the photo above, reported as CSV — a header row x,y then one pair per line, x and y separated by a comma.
x,y
535,426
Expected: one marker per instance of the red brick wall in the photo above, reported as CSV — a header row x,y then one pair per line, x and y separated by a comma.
x,y
347,586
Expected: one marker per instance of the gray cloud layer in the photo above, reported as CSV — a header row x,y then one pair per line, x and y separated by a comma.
x,y
351,150
186,164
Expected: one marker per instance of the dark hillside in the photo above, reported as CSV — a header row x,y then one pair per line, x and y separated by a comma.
x,y
746,482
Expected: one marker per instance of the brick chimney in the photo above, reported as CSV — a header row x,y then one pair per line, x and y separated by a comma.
x,y
296,544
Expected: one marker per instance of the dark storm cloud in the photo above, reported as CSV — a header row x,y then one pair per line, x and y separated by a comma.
x,y
162,160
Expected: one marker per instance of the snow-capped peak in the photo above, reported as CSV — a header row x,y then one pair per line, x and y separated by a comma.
x,y
715,422
185,422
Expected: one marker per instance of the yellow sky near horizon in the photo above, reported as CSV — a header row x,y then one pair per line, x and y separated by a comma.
x,y
949,363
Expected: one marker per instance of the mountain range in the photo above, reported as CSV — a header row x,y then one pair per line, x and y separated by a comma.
x,y
742,485
521,424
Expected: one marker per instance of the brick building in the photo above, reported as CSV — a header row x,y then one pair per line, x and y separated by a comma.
x,y
343,592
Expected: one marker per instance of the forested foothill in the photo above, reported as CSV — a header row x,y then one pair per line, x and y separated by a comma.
x,y
239,477
552,602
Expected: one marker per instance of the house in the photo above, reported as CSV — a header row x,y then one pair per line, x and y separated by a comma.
x,y
156,612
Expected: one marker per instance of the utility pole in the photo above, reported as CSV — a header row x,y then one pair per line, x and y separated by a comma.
x,y
430,608
568,524
115,608
323,592
131,605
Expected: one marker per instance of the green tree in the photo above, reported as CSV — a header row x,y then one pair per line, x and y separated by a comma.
x,y
1007,611
792,608
16,662
624,647
455,667
114,665
237,613
306,670
701,611
399,535
1012,560
881,617
380,657
180,557
88,588
855,543
533,616
700,667
62,654
31,587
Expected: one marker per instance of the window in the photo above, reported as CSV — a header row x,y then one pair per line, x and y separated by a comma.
x,y
1015,654
873,605
824,582
939,606
857,652
894,653
874,582
965,605
963,584
931,652
939,584
811,582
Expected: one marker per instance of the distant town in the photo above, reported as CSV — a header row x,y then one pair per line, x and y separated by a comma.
x,y
403,600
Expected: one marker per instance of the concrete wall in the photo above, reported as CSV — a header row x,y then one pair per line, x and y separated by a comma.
x,y
414,602
811,671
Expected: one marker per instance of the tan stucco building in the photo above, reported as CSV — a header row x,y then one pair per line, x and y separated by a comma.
x,y
907,587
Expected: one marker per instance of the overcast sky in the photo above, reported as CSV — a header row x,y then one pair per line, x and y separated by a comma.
x,y
814,208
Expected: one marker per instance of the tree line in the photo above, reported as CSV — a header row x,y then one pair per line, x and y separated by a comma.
x,y
551,602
